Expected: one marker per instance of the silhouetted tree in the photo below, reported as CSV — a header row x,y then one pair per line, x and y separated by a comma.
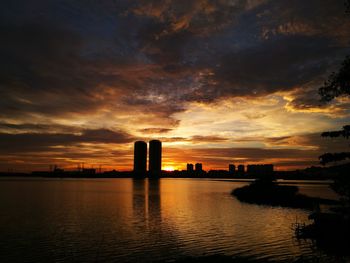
x,y
334,157
347,4
338,84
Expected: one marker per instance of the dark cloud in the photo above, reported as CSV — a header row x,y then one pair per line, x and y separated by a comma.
x,y
228,62
275,65
141,62
34,142
196,16
42,71
312,18
307,99
37,128
186,51
313,141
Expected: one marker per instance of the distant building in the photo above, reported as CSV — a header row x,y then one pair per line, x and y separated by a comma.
x,y
260,169
217,173
240,169
155,157
231,168
88,171
57,170
198,167
189,167
140,158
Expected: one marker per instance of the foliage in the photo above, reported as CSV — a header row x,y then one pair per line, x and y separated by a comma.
x,y
333,228
338,83
341,185
334,157
345,132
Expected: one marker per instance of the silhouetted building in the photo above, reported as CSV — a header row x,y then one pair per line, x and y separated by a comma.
x,y
260,169
140,158
240,169
57,170
88,171
155,157
231,168
190,167
217,173
198,167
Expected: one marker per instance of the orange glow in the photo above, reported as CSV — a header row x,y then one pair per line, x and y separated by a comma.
x,y
169,168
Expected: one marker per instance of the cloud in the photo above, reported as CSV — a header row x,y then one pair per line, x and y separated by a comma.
x,y
274,65
195,16
41,75
37,142
219,158
306,99
37,128
253,116
196,139
201,139
38,69
309,141
155,130
314,18
74,73
174,53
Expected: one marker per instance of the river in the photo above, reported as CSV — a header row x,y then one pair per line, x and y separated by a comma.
x,y
128,220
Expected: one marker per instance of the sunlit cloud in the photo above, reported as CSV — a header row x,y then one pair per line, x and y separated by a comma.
x,y
216,81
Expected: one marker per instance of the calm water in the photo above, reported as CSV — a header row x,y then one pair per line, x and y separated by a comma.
x,y
142,220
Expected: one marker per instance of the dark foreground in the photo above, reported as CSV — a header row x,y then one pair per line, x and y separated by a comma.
x,y
270,193
227,259
330,230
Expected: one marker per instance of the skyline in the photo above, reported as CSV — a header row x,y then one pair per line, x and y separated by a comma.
x,y
217,82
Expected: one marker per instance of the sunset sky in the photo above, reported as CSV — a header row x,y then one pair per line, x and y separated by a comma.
x,y
217,81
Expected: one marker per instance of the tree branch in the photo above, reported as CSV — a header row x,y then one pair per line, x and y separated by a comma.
x,y
334,157
345,132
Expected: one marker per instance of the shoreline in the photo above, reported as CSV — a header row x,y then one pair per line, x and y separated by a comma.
x,y
218,179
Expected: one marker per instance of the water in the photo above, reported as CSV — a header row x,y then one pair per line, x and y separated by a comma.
x,y
127,220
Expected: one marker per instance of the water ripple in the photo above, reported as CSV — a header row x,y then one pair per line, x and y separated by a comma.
x,y
126,221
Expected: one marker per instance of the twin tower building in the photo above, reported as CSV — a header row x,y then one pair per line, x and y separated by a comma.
x,y
154,159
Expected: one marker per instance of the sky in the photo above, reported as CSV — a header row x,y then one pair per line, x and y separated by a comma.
x,y
217,81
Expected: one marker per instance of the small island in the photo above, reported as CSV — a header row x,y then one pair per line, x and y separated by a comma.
x,y
265,191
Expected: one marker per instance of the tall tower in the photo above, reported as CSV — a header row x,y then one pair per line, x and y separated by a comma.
x,y
155,157
189,167
140,158
231,168
198,167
